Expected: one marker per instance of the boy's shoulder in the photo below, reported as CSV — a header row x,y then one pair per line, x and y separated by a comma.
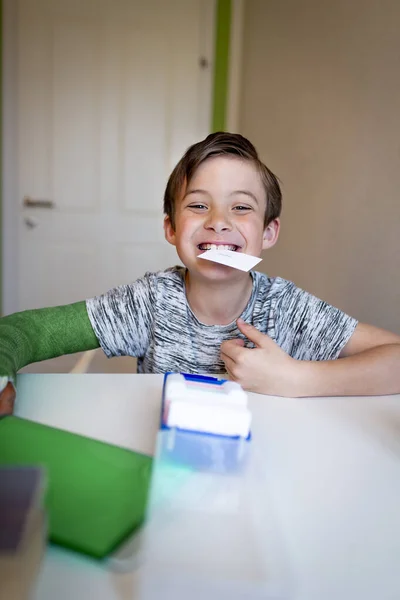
x,y
154,283
285,297
172,275
148,285
275,286
175,273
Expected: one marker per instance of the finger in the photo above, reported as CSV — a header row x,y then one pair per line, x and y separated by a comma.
x,y
237,341
7,398
232,348
228,362
228,373
232,371
259,339
231,376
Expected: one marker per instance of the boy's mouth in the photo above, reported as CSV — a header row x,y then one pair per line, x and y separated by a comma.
x,y
205,247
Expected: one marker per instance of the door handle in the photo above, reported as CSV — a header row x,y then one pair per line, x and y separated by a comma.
x,y
31,222
37,203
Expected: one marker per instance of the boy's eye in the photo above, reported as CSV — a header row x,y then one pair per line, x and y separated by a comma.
x,y
242,208
198,206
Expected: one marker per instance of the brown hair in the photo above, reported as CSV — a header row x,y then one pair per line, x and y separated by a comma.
x,y
217,144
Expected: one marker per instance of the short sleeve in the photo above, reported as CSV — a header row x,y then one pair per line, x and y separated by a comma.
x,y
122,318
308,328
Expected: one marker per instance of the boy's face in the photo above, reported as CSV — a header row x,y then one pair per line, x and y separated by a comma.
x,y
224,204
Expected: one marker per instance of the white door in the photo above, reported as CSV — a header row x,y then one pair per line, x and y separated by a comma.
x,y
110,94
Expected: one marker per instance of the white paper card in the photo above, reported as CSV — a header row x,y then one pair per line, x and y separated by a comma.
x,y
230,258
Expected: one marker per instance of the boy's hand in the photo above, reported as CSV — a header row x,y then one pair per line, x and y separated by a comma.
x,y
7,398
265,369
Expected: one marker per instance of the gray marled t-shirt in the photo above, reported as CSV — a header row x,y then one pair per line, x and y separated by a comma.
x,y
152,320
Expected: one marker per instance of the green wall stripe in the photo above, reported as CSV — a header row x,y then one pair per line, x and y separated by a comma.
x,y
1,157
221,64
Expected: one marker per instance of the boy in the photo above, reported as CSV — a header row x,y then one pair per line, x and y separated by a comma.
x,y
265,333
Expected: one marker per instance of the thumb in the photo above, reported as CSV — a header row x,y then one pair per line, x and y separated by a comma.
x,y
229,346
237,341
259,339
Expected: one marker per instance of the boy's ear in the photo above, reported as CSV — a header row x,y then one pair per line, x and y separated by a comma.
x,y
169,231
271,234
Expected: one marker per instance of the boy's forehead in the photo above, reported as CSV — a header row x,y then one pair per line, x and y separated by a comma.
x,y
225,174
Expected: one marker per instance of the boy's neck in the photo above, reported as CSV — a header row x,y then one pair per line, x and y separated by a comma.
x,y
216,304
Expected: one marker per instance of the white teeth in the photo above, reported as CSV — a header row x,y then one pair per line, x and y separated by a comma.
x,y
217,247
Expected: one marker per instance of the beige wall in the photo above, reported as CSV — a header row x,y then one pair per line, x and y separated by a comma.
x,y
321,102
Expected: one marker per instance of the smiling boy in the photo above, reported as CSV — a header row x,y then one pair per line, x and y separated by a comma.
x,y
266,333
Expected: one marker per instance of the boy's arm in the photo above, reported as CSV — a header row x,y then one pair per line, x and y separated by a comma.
x,y
36,335
369,365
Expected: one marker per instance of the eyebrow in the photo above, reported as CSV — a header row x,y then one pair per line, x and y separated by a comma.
x,y
246,193
235,192
196,192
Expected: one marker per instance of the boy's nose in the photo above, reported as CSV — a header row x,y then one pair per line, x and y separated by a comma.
x,y
218,221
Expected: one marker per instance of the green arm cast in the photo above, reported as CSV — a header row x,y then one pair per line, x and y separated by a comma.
x,y
35,335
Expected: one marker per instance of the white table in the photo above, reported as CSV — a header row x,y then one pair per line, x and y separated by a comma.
x,y
333,468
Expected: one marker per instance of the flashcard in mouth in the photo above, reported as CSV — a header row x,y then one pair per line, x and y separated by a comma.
x,y
230,258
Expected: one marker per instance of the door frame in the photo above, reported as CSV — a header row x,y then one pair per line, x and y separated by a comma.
x,y
210,48
235,66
